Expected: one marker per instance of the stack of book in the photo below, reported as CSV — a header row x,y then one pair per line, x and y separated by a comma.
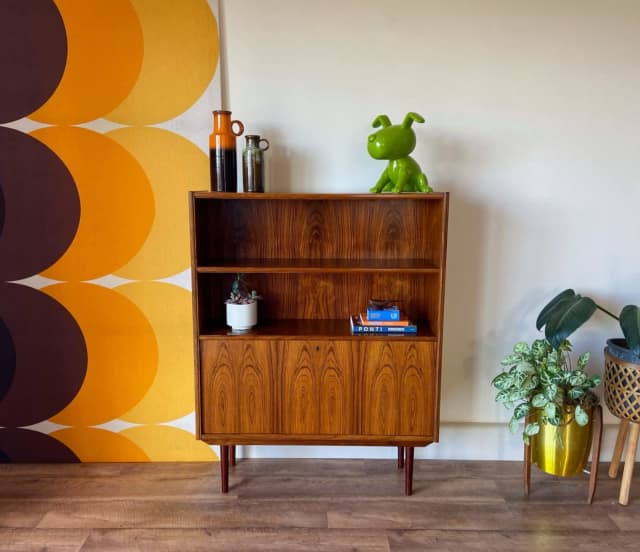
x,y
382,317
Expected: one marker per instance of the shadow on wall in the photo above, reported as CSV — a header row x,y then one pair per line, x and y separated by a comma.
x,y
466,257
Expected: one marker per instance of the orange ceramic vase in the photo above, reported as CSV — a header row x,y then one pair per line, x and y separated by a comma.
x,y
222,152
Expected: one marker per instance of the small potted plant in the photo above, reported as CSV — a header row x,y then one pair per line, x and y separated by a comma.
x,y
242,306
554,399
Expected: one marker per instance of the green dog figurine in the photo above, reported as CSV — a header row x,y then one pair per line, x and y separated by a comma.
x,y
396,142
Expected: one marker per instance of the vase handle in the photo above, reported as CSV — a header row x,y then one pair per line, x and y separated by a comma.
x,y
240,127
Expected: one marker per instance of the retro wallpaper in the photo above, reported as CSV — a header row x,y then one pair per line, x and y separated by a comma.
x,y
105,110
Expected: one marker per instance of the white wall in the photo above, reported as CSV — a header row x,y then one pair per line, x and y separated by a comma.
x,y
533,125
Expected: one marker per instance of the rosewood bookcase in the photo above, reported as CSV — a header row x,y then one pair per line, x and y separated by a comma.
x,y
300,376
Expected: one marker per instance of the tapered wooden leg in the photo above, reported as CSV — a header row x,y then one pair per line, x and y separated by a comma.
x,y
408,471
629,461
232,455
224,468
619,447
400,457
526,468
595,452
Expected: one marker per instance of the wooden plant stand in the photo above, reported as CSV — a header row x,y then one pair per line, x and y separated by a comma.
x,y
595,457
630,457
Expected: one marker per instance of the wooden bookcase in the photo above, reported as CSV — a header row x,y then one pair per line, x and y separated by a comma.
x,y
300,376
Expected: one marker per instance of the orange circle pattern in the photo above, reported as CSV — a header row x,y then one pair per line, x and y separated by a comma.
x,y
136,63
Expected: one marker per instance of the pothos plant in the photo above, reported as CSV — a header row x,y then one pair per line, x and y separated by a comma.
x,y
240,293
541,377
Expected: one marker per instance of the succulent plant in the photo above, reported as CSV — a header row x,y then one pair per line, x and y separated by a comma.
x,y
240,293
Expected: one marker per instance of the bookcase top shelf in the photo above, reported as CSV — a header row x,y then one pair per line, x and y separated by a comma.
x,y
432,196
317,265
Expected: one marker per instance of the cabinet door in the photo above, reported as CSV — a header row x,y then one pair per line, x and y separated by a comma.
x,y
398,388
237,386
317,388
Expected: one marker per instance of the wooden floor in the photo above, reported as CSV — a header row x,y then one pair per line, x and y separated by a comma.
x,y
319,505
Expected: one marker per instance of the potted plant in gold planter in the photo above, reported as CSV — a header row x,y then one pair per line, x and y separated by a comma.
x,y
242,306
554,399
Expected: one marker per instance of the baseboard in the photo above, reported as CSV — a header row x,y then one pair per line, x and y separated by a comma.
x,y
458,441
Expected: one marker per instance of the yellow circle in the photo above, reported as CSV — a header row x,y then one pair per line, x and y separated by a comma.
x,y
122,353
174,165
168,310
181,49
169,444
92,444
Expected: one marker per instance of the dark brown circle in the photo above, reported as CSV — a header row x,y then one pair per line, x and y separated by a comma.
x,y
40,206
51,356
33,54
24,445
7,359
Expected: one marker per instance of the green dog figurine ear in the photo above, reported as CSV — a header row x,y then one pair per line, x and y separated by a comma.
x,y
381,120
410,118
395,143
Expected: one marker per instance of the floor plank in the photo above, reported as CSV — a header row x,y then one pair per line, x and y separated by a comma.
x,y
52,540
318,505
507,541
183,513
245,540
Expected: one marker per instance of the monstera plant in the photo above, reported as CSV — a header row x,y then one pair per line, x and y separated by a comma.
x,y
567,311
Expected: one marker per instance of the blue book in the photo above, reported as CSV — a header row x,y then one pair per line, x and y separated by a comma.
x,y
358,328
387,313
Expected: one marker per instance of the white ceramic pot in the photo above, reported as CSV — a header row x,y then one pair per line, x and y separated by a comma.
x,y
242,317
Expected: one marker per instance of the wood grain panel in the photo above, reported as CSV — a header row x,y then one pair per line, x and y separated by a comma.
x,y
255,390
238,387
417,390
398,392
335,395
317,384
300,390
314,227
218,389
331,295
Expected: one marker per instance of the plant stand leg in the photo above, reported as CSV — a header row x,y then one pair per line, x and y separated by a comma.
x,y
619,447
526,465
224,468
408,471
629,461
526,471
595,452
400,457
232,455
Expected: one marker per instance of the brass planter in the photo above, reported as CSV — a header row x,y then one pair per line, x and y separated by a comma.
x,y
562,450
